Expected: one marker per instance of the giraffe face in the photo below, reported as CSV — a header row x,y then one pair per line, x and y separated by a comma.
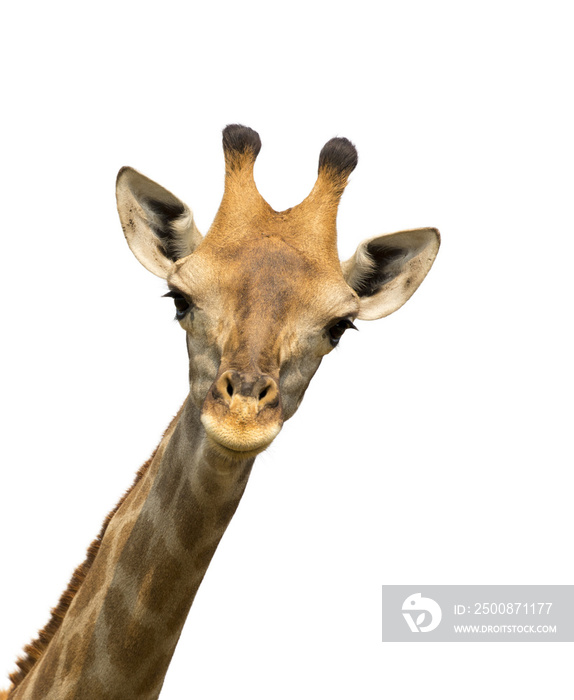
x,y
259,316
263,296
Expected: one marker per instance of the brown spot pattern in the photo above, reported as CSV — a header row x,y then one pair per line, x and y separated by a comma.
x,y
37,647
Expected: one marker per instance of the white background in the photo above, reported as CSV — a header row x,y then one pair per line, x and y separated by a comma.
x,y
433,447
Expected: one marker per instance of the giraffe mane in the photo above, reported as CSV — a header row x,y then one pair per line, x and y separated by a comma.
x,y
33,651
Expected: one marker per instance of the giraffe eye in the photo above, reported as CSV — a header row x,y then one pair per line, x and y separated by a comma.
x,y
182,305
336,331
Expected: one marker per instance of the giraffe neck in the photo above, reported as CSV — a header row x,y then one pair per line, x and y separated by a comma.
x,y
120,632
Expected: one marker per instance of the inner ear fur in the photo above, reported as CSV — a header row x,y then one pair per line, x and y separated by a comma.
x,y
385,271
158,227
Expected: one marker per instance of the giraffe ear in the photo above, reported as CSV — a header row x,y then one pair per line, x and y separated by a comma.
x,y
385,271
158,227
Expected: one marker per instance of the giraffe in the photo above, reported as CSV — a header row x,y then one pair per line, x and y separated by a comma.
x,y
263,297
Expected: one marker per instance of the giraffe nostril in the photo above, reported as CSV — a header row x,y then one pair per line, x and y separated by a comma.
x,y
233,385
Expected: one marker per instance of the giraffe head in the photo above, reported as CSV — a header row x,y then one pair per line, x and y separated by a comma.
x,y
263,296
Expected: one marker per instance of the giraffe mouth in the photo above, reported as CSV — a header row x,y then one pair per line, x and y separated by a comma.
x,y
239,439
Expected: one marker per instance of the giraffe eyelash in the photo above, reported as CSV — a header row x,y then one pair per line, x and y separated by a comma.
x,y
182,305
337,329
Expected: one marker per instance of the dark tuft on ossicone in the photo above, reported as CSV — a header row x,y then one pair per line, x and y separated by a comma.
x,y
339,155
241,139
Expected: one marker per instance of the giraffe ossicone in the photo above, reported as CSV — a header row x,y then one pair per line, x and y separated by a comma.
x,y
262,297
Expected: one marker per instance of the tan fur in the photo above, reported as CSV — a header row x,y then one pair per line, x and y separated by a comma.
x,y
34,650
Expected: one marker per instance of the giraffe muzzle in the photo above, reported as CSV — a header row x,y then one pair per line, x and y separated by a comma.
x,y
242,411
